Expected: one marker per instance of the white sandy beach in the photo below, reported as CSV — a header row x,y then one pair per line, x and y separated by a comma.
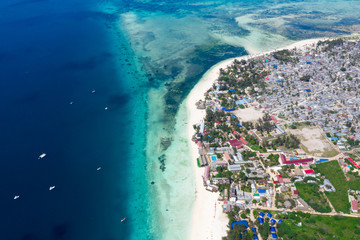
x,y
208,223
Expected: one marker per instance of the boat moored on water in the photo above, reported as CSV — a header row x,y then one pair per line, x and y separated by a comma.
x,y
51,188
16,197
42,155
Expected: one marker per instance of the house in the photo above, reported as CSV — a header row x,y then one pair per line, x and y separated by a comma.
x,y
298,172
354,206
262,192
206,175
284,161
295,194
309,171
233,168
235,143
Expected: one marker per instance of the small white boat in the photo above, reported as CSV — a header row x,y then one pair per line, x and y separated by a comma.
x,y
51,188
106,108
71,103
16,197
42,155
123,219
99,168
93,91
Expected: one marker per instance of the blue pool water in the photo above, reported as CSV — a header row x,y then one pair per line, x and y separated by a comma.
x,y
214,158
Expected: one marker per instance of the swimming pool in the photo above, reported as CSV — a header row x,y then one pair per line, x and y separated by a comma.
x,y
214,158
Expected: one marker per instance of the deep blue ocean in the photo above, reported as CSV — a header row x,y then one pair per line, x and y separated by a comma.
x,y
55,53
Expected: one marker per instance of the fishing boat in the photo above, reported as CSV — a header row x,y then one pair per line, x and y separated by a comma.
x,y
123,219
16,197
42,155
93,91
99,168
51,188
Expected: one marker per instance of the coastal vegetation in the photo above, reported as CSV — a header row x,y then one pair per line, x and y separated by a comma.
x,y
285,56
339,199
330,44
290,142
299,225
272,160
311,194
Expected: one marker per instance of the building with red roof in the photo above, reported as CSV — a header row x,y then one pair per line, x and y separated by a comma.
x,y
309,171
284,161
353,163
354,206
243,141
235,143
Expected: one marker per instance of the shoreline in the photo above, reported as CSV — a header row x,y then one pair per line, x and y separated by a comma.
x,y
208,219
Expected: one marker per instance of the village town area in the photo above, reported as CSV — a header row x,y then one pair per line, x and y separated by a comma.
x,y
280,141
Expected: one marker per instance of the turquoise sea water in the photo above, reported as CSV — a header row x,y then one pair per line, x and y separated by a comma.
x,y
142,58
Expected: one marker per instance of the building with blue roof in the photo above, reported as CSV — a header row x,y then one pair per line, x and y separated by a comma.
x,y
261,190
269,215
239,125
272,221
255,237
253,230
280,221
261,214
241,222
274,236
227,110
272,229
240,102
247,100
322,160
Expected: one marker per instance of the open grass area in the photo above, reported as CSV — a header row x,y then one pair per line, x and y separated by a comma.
x,y
311,194
257,148
339,198
355,184
317,227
